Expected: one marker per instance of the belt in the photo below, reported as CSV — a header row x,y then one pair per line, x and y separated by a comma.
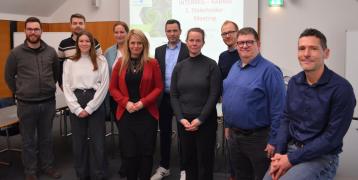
x,y
249,131
296,143
37,102
84,90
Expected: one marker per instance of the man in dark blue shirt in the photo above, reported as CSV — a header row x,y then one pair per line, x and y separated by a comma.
x,y
253,102
318,112
229,33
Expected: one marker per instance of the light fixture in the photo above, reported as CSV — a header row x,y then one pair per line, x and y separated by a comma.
x,y
275,3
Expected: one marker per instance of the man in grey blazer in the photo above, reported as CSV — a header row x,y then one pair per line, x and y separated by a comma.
x,y
168,55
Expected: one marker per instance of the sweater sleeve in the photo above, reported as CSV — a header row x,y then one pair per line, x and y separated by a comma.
x,y
70,97
174,94
10,72
214,93
102,90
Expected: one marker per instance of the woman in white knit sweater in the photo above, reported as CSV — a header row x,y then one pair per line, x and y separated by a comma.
x,y
85,85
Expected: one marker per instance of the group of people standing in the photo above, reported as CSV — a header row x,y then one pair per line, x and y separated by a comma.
x,y
293,134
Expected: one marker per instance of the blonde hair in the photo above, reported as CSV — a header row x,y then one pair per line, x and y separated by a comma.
x,y
144,56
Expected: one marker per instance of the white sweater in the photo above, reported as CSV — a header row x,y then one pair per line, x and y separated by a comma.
x,y
80,75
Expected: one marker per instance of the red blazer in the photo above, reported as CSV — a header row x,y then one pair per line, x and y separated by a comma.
x,y
150,87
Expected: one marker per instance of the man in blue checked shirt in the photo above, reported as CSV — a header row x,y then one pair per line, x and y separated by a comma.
x,y
318,112
253,102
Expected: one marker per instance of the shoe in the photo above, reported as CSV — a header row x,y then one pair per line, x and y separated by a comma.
x,y
182,175
30,177
160,174
51,172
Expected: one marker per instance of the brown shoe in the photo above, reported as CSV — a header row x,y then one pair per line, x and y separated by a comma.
x,y
53,173
30,177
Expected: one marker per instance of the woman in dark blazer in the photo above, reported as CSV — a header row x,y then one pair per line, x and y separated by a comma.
x,y
136,84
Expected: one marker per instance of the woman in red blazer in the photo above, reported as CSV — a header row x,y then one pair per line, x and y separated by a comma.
x,y
136,84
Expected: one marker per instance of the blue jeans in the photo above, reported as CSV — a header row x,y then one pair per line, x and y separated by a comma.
x,y
320,168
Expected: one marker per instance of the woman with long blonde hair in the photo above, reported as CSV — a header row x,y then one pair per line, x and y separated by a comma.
x,y
136,84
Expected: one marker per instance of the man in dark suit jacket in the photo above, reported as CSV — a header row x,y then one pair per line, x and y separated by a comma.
x,y
168,55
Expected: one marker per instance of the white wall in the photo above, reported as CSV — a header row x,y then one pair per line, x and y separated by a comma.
x,y
107,11
18,17
280,28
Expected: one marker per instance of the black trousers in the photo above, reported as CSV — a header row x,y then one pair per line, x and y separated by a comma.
x,y
137,136
165,126
248,158
198,149
88,136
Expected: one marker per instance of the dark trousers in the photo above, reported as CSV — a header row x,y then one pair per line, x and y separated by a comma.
x,y
36,130
165,126
137,143
198,149
249,160
88,136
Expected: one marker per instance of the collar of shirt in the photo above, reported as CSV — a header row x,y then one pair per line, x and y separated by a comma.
x,y
176,46
326,76
232,49
252,63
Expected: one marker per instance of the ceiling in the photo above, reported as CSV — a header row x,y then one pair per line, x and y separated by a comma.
x,y
42,8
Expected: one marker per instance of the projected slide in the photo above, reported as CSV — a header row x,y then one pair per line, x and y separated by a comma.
x,y
151,15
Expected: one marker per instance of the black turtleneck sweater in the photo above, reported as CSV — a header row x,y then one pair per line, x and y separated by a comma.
x,y
195,88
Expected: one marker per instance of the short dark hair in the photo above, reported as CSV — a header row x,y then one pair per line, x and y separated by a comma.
x,y
78,15
196,29
33,19
173,21
121,23
249,30
316,33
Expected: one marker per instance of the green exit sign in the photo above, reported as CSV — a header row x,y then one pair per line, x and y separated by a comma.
x,y
276,3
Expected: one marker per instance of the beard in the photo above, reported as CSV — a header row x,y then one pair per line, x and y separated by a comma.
x,y
77,31
33,39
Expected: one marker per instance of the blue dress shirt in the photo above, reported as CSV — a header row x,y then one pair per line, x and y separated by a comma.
x,y
171,57
316,115
253,96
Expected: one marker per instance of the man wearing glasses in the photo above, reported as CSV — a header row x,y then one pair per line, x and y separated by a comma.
x,y
253,102
229,33
31,73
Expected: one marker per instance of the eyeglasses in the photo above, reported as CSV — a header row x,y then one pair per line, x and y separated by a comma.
x,y
224,34
248,43
36,30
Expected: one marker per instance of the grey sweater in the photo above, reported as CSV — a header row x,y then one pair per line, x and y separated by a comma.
x,y
32,74
195,88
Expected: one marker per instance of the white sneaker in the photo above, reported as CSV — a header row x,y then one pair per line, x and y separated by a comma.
x,y
160,174
182,175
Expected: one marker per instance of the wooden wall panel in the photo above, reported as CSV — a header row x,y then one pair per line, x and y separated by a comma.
x,y
102,31
4,52
21,26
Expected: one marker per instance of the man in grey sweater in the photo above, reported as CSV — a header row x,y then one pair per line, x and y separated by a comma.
x,y
31,73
